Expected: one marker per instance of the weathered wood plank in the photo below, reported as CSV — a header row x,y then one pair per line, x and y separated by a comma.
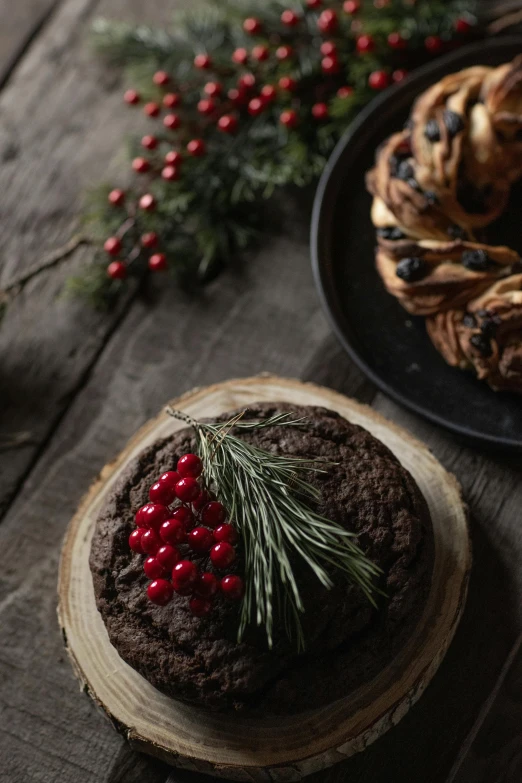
x,y
495,755
20,24
52,149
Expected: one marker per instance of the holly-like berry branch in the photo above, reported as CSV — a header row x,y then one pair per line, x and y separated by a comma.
x,y
240,104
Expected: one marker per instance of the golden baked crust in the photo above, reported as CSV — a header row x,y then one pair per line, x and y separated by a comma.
x,y
436,186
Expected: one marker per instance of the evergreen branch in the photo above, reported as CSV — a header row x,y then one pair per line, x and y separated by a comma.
x,y
271,502
210,210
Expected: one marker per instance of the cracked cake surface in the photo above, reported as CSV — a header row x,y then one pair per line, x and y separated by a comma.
x,y
199,660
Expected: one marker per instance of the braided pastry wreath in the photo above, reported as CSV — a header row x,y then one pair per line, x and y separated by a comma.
x,y
436,186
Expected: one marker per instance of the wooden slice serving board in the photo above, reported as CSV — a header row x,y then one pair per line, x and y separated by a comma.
x,y
267,749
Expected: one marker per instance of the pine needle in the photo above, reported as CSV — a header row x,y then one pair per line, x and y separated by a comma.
x,y
270,501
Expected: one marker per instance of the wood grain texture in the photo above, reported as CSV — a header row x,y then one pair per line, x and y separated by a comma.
x,y
61,125
495,752
279,748
20,24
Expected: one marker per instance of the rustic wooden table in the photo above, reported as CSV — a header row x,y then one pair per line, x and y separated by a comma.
x,y
75,385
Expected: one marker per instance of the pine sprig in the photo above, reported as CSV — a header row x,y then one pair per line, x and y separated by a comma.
x,y
271,502
211,209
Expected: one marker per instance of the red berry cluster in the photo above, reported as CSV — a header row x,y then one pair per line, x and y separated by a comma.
x,y
232,93
182,520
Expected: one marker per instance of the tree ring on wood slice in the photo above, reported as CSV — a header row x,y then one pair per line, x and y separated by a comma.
x,y
279,748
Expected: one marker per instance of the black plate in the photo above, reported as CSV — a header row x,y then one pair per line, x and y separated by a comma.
x,y
390,346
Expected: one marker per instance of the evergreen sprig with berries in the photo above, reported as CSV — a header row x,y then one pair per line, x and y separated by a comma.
x,y
234,493
242,103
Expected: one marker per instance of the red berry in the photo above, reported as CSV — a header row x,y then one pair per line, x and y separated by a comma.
x,y
150,239
433,44
173,158
314,3
328,49
399,75
170,173
184,575
161,78
171,100
202,61
378,80
153,568
252,26
320,111
131,97
199,606
187,489
232,587
116,197
112,246
365,44
160,592
149,142
151,109
463,25
284,52
173,532
260,53
226,533
287,83
200,539
327,21
213,89
140,165
345,92
202,500
289,18
147,202
268,93
117,270
238,97
196,148
158,262
396,41
240,56
206,585
247,81
330,65
213,514
162,493
289,118
135,540
255,106
189,465
222,555
168,556
171,121
150,542
152,515
227,123
185,516
351,6
206,106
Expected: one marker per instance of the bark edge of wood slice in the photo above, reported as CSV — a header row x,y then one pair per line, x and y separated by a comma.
x,y
282,748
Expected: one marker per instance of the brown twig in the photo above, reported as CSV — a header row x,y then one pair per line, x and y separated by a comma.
x,y
48,262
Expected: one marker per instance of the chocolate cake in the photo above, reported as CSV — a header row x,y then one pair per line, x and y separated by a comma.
x,y
348,641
